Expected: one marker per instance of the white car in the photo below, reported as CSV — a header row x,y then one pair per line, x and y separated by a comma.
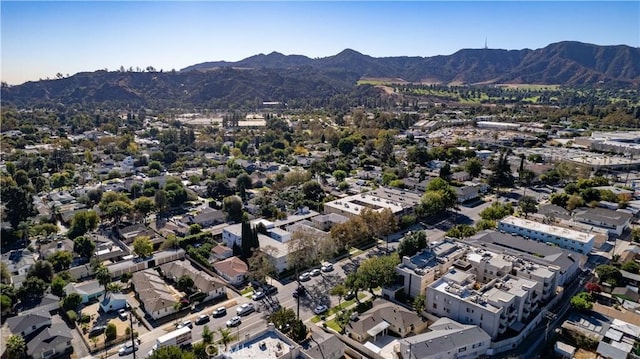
x,y
245,309
320,309
304,277
327,267
123,314
186,323
315,272
127,348
234,322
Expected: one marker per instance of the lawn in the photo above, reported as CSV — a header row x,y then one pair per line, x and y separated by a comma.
x,y
333,325
246,292
333,310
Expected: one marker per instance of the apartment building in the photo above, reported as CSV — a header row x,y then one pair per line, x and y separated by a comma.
x,y
421,269
400,202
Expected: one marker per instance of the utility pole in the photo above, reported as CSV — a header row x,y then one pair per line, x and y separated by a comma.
x,y
133,337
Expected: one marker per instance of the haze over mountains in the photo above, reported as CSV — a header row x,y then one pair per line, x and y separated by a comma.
x,y
282,77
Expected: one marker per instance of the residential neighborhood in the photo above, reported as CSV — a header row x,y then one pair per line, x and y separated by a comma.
x,y
444,239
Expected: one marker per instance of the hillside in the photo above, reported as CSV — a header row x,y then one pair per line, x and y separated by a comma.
x,y
297,79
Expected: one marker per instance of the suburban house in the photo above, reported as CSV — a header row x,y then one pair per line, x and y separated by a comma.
x,y
615,222
129,233
207,217
19,261
156,297
113,302
466,193
233,270
446,339
213,288
221,252
47,250
385,317
26,324
50,342
88,290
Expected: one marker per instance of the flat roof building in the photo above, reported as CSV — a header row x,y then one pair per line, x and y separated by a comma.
x,y
562,237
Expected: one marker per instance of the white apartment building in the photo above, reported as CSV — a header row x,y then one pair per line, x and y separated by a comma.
x,y
562,237
495,307
400,202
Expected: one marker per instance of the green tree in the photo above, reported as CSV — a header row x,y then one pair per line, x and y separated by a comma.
x,y
608,274
42,270
345,145
142,246
18,205
497,211
60,260
57,286
84,246
445,172
32,288
16,347
171,352
501,172
378,271
160,200
103,276
635,234
111,333
631,266
282,318
144,206
528,205
5,275
5,304
260,264
419,303
473,167
225,337
340,291
412,244
195,229
207,335
71,302
461,231
582,301
232,205
299,331
185,283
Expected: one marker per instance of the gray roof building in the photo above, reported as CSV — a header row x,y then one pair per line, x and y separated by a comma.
x,y
447,339
53,340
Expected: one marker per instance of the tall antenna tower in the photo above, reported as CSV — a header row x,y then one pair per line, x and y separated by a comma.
x,y
485,43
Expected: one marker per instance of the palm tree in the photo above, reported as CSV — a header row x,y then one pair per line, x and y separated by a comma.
x,y
225,336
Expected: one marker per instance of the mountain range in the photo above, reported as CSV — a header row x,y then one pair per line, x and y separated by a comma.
x,y
291,78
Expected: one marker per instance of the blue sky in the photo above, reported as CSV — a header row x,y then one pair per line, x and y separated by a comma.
x,y
40,39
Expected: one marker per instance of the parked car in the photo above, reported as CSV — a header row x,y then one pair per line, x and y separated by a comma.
x,y
304,277
270,289
258,295
234,322
219,312
350,295
97,330
127,348
245,309
315,272
123,314
327,267
186,323
320,309
299,292
202,319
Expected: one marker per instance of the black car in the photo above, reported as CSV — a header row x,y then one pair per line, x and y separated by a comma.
x,y
202,319
270,289
349,296
97,330
299,292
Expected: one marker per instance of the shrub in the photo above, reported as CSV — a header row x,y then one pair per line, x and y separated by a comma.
x,y
71,315
84,318
111,331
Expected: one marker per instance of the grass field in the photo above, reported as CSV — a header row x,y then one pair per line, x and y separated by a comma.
x,y
529,86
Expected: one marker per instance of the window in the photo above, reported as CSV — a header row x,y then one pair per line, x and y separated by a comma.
x,y
435,306
463,349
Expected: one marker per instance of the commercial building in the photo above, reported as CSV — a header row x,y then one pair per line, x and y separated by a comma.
x,y
400,202
562,237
